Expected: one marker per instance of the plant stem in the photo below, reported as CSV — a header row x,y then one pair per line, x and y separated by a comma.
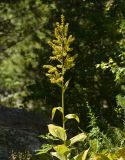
x,y
63,115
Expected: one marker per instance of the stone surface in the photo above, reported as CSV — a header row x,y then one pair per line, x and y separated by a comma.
x,y
19,131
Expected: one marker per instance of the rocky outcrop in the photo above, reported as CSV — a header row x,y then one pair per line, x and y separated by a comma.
x,y
19,131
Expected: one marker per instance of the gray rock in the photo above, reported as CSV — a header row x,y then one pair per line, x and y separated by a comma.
x,y
19,131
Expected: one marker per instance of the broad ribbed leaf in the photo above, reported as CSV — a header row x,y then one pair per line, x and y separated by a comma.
x,y
54,111
57,131
78,138
71,116
62,150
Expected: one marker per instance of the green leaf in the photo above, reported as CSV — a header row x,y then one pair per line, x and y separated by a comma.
x,y
84,155
71,116
44,149
59,66
78,138
48,136
62,149
60,157
121,153
81,156
66,85
57,131
54,111
100,157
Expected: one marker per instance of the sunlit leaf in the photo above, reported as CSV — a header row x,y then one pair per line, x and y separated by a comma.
x,y
66,85
81,156
72,116
78,138
57,131
121,153
60,157
100,157
84,154
62,149
54,111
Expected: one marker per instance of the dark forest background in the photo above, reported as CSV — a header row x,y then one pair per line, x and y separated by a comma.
x,y
98,78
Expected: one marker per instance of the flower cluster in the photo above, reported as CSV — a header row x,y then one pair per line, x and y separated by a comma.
x,y
61,47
